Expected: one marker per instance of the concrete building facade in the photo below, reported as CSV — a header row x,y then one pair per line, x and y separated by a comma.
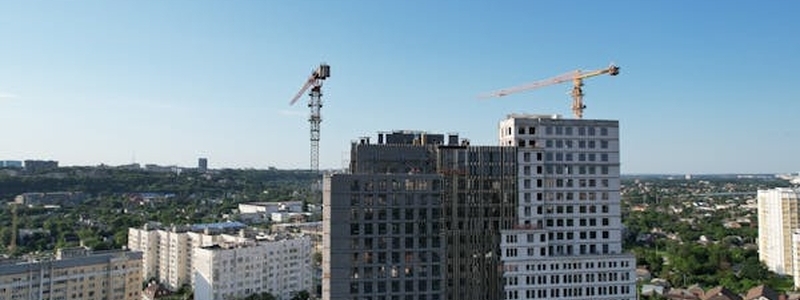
x,y
280,266
167,252
778,218
17,164
202,164
382,229
35,166
567,240
228,260
537,217
90,276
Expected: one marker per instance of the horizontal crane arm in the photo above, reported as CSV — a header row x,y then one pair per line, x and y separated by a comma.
x,y
570,76
305,87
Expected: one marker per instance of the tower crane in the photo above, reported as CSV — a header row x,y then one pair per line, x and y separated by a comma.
x,y
314,82
576,77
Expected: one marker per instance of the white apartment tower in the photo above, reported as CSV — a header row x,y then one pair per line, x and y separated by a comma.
x,y
167,253
567,241
777,219
279,266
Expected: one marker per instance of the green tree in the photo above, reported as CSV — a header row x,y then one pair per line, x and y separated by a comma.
x,y
301,295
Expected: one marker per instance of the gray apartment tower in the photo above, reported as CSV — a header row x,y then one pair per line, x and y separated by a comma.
x,y
429,217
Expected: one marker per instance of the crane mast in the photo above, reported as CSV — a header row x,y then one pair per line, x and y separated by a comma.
x,y
576,77
314,82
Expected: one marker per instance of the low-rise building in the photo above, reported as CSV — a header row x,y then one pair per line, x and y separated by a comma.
x,y
36,166
52,198
270,207
16,164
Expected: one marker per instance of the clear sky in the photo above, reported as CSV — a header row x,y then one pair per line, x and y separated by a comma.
x,y
705,86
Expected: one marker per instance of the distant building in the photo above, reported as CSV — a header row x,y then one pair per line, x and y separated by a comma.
x,y
258,212
49,199
11,164
777,219
270,207
162,169
202,164
36,166
79,274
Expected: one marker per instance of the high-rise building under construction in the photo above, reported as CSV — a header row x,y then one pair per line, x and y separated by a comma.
x,y
428,216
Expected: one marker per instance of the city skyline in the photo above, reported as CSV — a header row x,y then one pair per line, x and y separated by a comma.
x,y
701,88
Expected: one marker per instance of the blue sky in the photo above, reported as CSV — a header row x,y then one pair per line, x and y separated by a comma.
x,y
705,86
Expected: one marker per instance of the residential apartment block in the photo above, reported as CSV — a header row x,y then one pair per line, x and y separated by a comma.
x,y
778,218
279,265
75,275
226,258
426,217
167,251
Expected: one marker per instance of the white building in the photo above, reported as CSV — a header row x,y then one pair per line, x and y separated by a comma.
x,y
172,257
167,252
279,266
777,219
270,207
567,242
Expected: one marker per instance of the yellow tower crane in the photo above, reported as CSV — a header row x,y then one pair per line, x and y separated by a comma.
x,y
576,77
